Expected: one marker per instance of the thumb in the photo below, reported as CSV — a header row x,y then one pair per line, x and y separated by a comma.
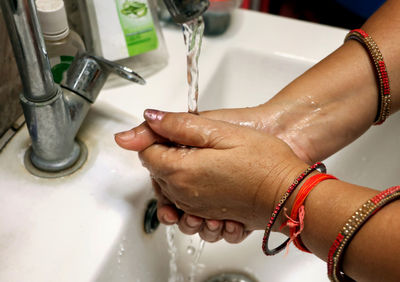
x,y
138,138
192,130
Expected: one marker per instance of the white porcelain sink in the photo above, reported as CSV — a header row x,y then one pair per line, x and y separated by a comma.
x,y
89,226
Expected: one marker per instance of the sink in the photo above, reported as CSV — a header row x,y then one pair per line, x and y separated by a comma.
x,y
88,226
247,78
70,228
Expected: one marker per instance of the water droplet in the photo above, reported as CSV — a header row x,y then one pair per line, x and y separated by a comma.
x,y
190,250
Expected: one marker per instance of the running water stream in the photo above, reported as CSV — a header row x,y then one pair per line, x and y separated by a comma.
x,y
191,257
193,35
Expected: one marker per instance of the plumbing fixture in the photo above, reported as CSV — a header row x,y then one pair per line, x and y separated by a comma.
x,y
151,221
53,113
186,10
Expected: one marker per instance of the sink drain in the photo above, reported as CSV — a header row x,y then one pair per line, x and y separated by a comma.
x,y
150,218
230,277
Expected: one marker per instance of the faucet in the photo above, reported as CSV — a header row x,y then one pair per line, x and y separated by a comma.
x,y
54,113
183,11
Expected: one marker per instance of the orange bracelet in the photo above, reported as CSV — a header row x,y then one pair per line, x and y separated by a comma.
x,y
295,222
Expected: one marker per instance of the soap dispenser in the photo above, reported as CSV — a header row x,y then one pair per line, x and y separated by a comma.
x,y
62,43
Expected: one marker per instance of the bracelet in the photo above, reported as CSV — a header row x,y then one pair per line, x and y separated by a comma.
x,y
298,206
352,226
384,97
279,206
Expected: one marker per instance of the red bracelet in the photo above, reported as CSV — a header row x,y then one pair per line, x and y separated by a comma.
x,y
384,97
298,206
352,226
279,206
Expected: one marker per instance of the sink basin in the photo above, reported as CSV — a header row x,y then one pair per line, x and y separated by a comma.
x,y
89,226
247,78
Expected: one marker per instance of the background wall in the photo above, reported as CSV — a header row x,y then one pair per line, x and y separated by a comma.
x,y
10,83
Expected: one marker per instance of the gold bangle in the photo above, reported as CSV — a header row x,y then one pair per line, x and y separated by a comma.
x,y
350,229
384,97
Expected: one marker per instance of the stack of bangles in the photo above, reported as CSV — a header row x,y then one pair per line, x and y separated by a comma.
x,y
346,233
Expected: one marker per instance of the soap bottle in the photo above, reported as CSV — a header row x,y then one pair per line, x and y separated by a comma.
x,y
62,43
129,33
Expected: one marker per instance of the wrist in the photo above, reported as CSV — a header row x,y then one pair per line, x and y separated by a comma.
x,y
272,191
292,175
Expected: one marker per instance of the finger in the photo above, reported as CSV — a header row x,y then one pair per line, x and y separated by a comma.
x,y
167,213
192,130
211,231
234,232
138,138
190,224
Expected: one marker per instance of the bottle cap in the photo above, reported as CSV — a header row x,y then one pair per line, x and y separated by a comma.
x,y
53,19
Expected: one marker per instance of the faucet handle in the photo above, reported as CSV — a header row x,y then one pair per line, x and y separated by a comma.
x,y
88,73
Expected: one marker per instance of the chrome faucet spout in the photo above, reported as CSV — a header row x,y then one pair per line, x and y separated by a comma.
x,y
29,49
183,11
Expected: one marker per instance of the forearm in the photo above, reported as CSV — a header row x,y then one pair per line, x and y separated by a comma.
x,y
373,254
333,93
340,91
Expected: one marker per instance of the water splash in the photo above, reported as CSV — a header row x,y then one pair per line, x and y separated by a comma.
x,y
195,266
193,34
174,275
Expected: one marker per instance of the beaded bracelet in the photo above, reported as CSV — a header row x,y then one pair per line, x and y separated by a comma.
x,y
384,97
320,166
352,226
301,196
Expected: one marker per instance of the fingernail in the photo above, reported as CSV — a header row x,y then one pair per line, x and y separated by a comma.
x,y
168,218
212,225
193,221
229,227
153,115
125,135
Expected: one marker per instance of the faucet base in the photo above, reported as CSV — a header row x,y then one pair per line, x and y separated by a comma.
x,y
58,165
76,163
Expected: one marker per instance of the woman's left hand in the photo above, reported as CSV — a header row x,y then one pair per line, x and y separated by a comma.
x,y
218,170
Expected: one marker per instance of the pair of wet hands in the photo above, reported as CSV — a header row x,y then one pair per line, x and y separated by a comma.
x,y
142,137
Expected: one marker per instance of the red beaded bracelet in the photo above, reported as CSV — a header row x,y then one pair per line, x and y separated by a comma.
x,y
320,166
352,226
295,221
384,97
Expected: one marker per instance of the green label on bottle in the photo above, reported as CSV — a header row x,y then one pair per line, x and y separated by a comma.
x,y
137,25
59,68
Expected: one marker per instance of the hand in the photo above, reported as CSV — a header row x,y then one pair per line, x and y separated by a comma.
x,y
139,138
210,230
281,117
245,167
